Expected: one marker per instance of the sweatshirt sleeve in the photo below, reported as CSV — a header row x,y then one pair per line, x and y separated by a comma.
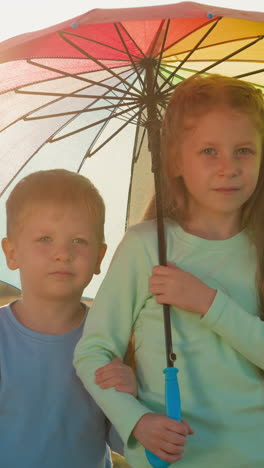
x,y
108,328
241,330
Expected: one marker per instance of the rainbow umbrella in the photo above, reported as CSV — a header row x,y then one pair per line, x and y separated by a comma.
x,y
69,92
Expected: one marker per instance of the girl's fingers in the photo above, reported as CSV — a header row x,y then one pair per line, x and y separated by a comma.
x,y
108,382
120,375
160,270
128,387
116,363
168,453
172,449
188,427
123,388
109,372
167,457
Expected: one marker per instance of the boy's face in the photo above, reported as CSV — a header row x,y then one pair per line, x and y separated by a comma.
x,y
56,250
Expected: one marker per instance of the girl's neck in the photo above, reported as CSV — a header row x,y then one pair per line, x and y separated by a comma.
x,y
212,229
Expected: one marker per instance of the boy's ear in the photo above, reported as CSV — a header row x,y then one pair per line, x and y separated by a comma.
x,y
9,251
99,259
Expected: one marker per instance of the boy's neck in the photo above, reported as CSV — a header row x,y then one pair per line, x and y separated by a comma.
x,y
48,317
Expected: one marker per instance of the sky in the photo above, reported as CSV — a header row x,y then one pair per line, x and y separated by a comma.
x,y
20,16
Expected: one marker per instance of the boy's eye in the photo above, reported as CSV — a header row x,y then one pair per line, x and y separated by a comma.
x,y
44,238
79,240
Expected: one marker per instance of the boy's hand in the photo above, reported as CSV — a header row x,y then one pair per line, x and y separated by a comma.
x,y
172,285
117,374
162,436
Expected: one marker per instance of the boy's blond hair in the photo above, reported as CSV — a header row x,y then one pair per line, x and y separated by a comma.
x,y
57,186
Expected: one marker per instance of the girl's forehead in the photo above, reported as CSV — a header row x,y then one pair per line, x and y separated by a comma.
x,y
211,118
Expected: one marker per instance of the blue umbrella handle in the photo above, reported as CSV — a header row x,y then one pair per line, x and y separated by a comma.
x,y
173,409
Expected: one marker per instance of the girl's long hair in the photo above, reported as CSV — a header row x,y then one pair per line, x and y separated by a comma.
x,y
191,99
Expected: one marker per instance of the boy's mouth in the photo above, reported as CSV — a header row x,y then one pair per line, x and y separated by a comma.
x,y
61,273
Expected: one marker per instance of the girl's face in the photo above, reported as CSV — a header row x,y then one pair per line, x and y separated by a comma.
x,y
219,161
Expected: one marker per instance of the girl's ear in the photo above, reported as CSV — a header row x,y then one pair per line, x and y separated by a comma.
x,y
174,167
10,253
177,169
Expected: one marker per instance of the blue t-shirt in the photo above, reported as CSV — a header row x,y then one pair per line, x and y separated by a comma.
x,y
47,418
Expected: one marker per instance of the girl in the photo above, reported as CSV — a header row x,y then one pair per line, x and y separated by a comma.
x,y
212,142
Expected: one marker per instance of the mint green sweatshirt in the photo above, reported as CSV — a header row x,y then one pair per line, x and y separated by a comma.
x,y
219,356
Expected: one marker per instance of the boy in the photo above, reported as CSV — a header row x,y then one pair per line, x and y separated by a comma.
x,y
55,237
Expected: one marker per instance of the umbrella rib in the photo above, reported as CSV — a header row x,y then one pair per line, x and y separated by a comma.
x,y
109,98
204,70
230,41
160,54
137,153
22,167
74,95
64,74
91,125
134,159
190,53
132,39
94,41
61,95
115,133
232,54
128,52
92,145
22,117
69,121
77,77
88,152
255,72
190,33
80,111
97,61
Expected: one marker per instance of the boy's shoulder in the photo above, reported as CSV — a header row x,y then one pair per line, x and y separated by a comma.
x,y
5,320
4,306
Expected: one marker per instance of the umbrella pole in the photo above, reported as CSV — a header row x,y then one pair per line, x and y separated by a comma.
x,y
172,394
153,129
170,355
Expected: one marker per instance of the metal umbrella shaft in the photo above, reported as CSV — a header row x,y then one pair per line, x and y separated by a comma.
x,y
153,128
172,394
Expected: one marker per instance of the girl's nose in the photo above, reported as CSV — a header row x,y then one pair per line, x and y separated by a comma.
x,y
229,166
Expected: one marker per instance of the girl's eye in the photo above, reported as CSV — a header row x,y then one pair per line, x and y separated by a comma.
x,y
244,151
209,151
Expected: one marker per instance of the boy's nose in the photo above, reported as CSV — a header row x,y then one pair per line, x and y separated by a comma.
x,y
63,253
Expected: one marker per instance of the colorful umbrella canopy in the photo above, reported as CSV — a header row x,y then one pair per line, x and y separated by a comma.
x,y
83,94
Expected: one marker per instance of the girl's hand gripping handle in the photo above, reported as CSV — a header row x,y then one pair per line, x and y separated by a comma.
x,y
173,409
